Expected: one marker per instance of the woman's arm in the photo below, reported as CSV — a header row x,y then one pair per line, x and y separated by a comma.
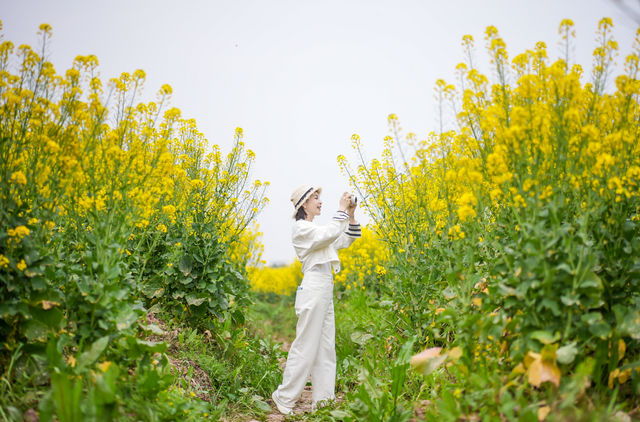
x,y
308,237
348,237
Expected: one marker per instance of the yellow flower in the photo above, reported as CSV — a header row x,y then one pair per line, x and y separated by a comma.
x,y
19,178
21,265
19,232
4,261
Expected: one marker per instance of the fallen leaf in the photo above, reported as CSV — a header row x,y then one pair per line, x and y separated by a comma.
x,y
530,358
622,348
624,376
104,366
612,376
542,367
540,372
47,304
428,360
543,412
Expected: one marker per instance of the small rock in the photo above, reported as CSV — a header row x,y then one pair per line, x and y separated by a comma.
x,y
30,416
620,416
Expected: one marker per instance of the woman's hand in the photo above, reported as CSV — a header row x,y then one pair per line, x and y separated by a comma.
x,y
345,201
352,208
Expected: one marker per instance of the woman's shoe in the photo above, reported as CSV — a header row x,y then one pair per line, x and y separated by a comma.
x,y
281,409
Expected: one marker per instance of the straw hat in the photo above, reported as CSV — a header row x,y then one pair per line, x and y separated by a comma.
x,y
301,194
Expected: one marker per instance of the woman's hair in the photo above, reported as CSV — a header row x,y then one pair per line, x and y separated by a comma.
x,y
301,214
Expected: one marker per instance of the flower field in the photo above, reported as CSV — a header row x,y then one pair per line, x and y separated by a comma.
x,y
111,210
499,278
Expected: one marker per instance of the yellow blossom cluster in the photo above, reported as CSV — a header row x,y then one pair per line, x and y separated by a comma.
x,y
279,280
534,131
83,148
363,264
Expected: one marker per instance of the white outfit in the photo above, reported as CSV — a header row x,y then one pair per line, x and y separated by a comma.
x,y
313,351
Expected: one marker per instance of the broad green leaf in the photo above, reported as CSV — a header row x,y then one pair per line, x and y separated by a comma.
x,y
564,267
404,355
87,358
152,346
194,300
339,414
153,328
125,318
566,354
261,404
591,281
398,375
449,293
50,317
630,325
35,330
545,337
591,318
600,329
570,299
360,338
186,265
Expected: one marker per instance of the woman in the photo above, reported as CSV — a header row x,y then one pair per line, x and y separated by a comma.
x,y
313,351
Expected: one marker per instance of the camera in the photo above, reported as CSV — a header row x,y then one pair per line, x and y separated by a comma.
x,y
354,199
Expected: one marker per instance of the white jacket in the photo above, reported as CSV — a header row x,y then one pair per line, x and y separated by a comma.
x,y
319,244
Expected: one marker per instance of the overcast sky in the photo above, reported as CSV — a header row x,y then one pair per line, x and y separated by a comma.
x,y
301,76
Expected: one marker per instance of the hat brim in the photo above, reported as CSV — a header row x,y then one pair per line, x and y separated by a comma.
x,y
304,199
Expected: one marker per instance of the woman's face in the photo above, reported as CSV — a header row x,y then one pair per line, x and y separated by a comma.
x,y
313,206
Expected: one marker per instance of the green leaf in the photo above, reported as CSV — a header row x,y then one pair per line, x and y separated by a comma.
x,y
545,337
449,293
194,300
261,404
570,299
566,354
564,267
35,331
552,305
591,318
600,329
49,317
153,328
630,325
398,376
90,356
125,318
339,414
186,265
405,353
591,281
360,338
152,346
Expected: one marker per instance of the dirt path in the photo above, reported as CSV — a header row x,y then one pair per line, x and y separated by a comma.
x,y
302,406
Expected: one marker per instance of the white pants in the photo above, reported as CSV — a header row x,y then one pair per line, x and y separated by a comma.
x,y
314,349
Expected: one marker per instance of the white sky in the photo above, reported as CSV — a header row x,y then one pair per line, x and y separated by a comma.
x,y
301,76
